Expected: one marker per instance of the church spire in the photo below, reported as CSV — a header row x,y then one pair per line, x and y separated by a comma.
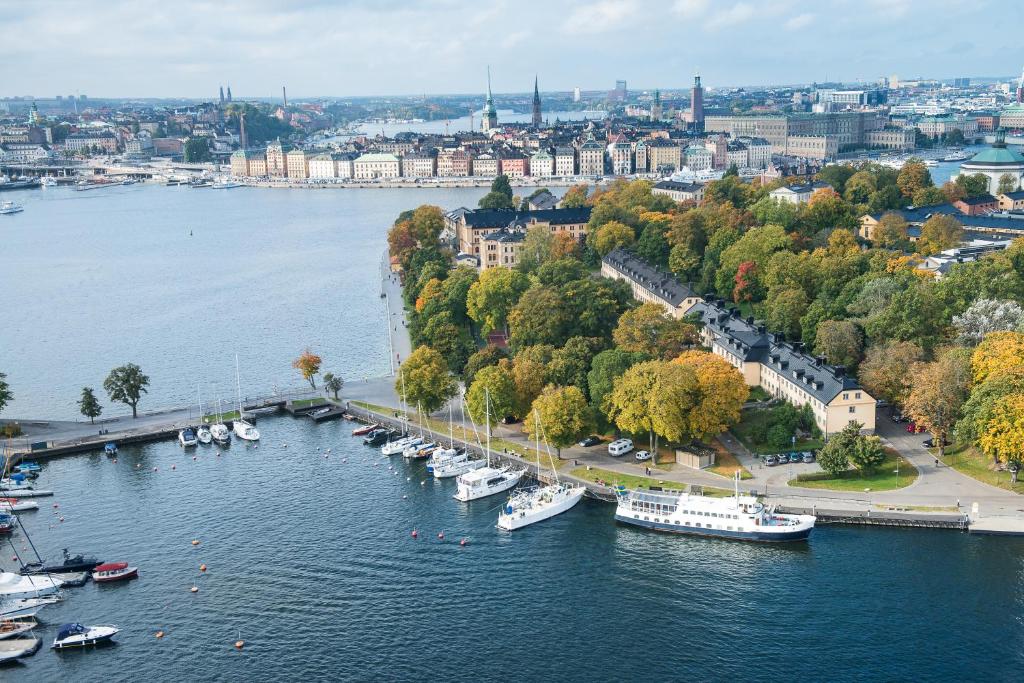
x,y
536,103
490,117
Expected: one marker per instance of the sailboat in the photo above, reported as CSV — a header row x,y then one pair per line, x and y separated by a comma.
x,y
219,431
243,430
535,504
487,480
452,462
203,432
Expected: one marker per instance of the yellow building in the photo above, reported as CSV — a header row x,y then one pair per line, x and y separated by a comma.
x,y
471,226
649,284
297,163
276,165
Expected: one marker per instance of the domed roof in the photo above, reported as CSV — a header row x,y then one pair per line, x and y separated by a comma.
x,y
996,155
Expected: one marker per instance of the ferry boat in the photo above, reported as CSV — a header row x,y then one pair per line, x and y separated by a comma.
x,y
8,208
737,517
224,184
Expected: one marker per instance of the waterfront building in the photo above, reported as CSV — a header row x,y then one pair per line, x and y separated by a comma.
x,y
995,162
419,165
471,225
649,284
322,166
344,164
487,165
514,164
276,164
565,161
1012,117
784,370
663,156
830,130
620,155
798,194
490,117
453,163
239,162
1011,201
297,163
84,142
900,139
376,165
503,246
997,224
822,147
591,157
24,152
536,119
680,192
542,165
940,126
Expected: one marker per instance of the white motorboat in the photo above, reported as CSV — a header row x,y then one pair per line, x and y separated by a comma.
x,y
225,184
48,181
457,467
486,481
399,446
8,506
77,635
187,437
204,435
20,608
15,586
220,433
737,517
18,647
419,450
243,430
10,207
13,629
18,487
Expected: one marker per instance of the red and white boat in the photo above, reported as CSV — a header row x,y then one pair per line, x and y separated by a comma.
x,y
114,571
17,505
366,429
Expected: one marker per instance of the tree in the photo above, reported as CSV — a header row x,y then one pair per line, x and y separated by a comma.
x,y
560,415
929,196
530,371
885,371
569,364
974,185
837,175
89,405
937,394
541,316
1003,436
425,381
575,197
494,387
747,285
783,310
1007,184
834,458
756,245
867,454
6,396
652,245
684,262
196,150
493,296
955,137
860,187
427,223
333,383
649,330
890,231
732,171
126,384
308,365
630,403
611,235
977,412
999,352
840,341
401,241
605,368
485,357
721,393
913,176
986,316
826,211
500,196
450,340
537,248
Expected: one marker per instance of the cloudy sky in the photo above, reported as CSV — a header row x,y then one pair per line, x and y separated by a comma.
x,y
152,48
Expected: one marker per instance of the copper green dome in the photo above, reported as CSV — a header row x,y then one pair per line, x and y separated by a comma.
x,y
997,155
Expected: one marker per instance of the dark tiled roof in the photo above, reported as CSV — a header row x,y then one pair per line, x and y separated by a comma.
x,y
1019,194
678,187
506,235
499,218
1000,221
641,272
751,342
977,201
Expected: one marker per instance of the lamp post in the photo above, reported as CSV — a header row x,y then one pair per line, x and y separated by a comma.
x,y
897,471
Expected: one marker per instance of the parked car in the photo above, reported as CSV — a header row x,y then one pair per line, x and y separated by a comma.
x,y
589,441
643,455
620,447
808,456
911,427
796,457
930,443
770,461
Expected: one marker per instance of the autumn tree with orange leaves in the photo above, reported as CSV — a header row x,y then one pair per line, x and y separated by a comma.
x,y
308,364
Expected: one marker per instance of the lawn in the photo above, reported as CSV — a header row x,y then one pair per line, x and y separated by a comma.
x,y
630,481
220,417
752,420
758,394
968,460
726,463
882,479
304,402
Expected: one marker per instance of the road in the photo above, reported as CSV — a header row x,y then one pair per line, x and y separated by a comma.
x,y
398,333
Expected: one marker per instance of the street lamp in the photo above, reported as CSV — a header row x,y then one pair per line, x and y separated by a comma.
x,y
897,471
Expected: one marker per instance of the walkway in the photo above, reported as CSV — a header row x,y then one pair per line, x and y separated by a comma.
x,y
398,334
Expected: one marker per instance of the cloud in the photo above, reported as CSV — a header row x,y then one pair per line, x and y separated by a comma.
x,y
513,39
690,8
799,21
737,14
602,16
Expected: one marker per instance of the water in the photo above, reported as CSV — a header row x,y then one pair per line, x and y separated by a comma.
x,y
312,563
466,124
96,279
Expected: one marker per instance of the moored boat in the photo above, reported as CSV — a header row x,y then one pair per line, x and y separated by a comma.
x,y
8,505
20,608
10,208
220,433
17,486
7,522
486,481
114,571
16,586
457,467
396,447
420,451
365,429
71,563
377,437
245,431
16,648
529,506
187,437
110,448
71,579
77,635
204,435
10,628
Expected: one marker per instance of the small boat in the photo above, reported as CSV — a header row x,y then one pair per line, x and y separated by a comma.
x,y
114,571
396,447
16,648
16,486
486,481
21,608
245,431
365,429
419,450
71,579
71,563
377,437
16,586
27,468
204,435
219,433
187,437
110,448
10,208
452,463
10,628
9,505
222,184
49,181
77,635
7,522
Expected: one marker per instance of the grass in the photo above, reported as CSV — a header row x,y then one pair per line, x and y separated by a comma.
x,y
220,417
967,459
755,418
631,481
883,478
726,463
758,394
304,402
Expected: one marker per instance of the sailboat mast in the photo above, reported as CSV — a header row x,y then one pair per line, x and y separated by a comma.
x,y
238,386
536,421
487,414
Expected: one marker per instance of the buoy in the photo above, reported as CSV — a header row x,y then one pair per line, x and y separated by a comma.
x,y
174,467
115,461
14,559
195,541
404,497
202,567
218,454
328,450
423,483
159,634
194,589
284,445
137,465
318,448
462,542
440,535
408,478
415,534
194,457
62,519
239,644
56,505
155,469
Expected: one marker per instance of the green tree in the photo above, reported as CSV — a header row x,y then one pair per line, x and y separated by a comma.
x,y
427,223
732,171
541,316
448,339
940,232
836,175
955,137
6,395
867,454
783,310
530,370
126,384
974,185
834,458
630,404
605,368
647,329
537,247
929,196
425,380
840,341
333,383
913,177
1007,184
860,187
494,387
612,235
485,357
560,415
757,246
652,245
197,150
500,196
570,364
89,405
493,295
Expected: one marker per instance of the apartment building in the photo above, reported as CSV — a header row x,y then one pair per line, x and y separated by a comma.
x,y
565,161
487,165
649,284
663,156
297,163
419,165
680,192
542,165
471,226
376,165
620,155
591,158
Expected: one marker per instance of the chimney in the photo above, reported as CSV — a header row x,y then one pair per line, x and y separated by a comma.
x,y
839,371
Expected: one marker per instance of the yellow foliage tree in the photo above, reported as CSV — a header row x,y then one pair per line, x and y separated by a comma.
x,y
431,290
996,354
722,393
308,363
1003,437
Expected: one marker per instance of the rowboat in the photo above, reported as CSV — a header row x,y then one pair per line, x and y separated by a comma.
x,y
114,571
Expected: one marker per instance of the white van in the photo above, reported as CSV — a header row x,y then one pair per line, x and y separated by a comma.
x,y
620,447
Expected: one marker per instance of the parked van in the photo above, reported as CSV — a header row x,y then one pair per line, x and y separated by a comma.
x,y
620,447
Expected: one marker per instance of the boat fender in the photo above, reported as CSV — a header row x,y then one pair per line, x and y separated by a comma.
x,y
440,535
159,634
415,534
202,567
194,589
195,541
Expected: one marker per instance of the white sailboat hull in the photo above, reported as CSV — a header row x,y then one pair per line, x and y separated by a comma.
x,y
499,482
14,586
245,431
562,500
454,469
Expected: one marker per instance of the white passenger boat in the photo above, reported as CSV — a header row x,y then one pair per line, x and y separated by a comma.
x,y
739,517
224,184
10,207
399,446
77,635
13,586
420,450
16,648
20,608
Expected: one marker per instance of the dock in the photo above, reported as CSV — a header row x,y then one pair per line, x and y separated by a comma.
x,y
907,519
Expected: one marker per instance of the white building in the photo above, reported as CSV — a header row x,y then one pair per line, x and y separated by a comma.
x,y
322,166
798,194
377,165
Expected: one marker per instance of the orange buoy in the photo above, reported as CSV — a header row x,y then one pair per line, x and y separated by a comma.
x,y
415,534
194,589
195,541
202,567
239,644
463,542
159,634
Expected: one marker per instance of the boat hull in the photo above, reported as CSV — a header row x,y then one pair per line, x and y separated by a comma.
x,y
18,647
801,534
466,494
520,518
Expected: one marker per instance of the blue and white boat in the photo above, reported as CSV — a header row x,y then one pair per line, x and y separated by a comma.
x,y
738,517
77,635
110,448
27,468
187,437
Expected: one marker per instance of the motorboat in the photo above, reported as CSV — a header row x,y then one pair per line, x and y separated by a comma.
x,y
71,563
77,635
486,481
204,435
15,648
110,448
17,586
49,181
245,431
398,446
10,207
444,455
460,463
21,608
187,437
71,579
737,517
365,429
114,571
420,451
529,506
17,486
224,184
9,505
220,433
377,437
7,522
28,468
11,629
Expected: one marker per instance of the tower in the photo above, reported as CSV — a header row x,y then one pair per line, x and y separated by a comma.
x,y
243,139
1020,88
536,104
222,95
697,105
229,93
33,115
656,107
490,117
284,96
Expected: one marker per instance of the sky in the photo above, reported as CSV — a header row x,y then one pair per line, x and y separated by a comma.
x,y
188,48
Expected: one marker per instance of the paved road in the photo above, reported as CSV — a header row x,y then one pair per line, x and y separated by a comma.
x,y
398,333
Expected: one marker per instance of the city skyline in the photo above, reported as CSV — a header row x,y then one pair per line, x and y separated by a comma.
x,y
346,49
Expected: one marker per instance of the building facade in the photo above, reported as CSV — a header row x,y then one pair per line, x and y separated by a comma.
x,y
471,226
376,165
649,284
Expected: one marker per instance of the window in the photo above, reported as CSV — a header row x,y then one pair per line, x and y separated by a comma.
x,y
846,397
853,409
857,395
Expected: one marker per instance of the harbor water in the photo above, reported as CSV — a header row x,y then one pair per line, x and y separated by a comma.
x,y
311,561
